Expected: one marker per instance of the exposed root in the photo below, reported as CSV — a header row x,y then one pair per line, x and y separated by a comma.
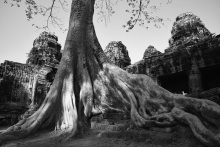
x,y
153,106
199,130
86,84
114,89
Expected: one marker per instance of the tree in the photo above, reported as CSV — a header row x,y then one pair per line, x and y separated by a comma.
x,y
87,84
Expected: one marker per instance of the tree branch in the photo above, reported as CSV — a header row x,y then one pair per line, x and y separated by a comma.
x,y
142,7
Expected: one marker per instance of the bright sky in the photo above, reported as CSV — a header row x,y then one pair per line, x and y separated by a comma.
x,y
17,34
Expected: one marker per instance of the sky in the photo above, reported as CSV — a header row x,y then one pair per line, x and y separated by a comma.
x,y
17,34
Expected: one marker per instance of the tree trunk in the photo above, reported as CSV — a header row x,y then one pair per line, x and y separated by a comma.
x,y
87,84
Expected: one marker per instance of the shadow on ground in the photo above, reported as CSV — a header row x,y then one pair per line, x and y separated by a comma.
x,y
155,137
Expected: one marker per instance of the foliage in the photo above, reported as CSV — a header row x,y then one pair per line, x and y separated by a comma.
x,y
140,10
33,8
141,13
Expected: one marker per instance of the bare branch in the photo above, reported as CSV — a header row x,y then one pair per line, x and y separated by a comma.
x,y
139,15
53,19
51,11
106,10
143,7
63,5
33,9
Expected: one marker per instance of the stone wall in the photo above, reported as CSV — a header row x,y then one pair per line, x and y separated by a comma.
x,y
26,85
192,57
15,79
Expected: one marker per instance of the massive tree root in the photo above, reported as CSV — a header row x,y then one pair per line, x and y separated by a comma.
x,y
87,84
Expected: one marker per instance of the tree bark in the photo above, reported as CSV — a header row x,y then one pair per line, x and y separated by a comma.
x,y
87,84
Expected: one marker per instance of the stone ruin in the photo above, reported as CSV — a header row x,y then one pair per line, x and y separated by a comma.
x,y
45,51
24,86
44,57
15,82
118,54
187,30
151,51
191,63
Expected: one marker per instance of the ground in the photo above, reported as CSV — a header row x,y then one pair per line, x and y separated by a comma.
x,y
114,137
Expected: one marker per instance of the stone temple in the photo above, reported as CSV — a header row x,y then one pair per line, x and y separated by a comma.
x,y
19,83
118,54
190,64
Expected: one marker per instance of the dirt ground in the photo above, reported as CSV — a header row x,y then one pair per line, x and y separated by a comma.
x,y
155,137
